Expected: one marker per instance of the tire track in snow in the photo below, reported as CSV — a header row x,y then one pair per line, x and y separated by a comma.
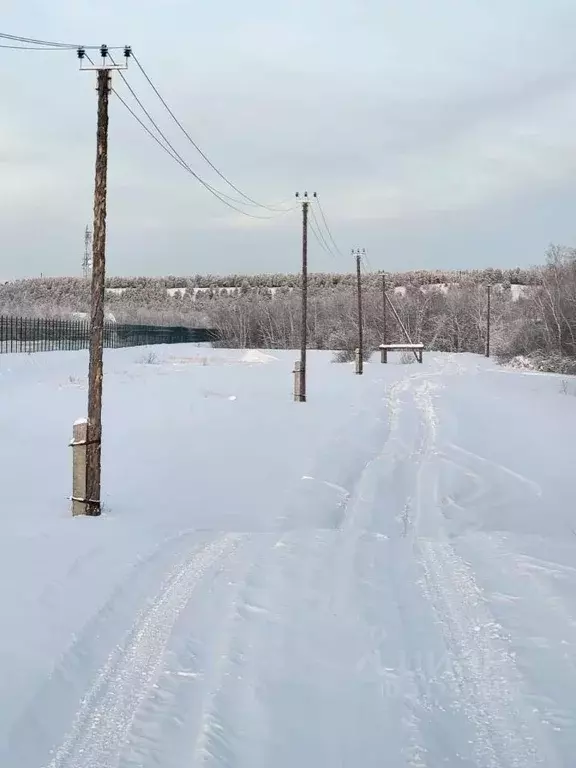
x,y
353,536
202,698
482,666
106,712
488,684
482,460
533,594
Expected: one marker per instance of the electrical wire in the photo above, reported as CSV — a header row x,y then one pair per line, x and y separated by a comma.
x,y
318,239
228,200
222,196
319,236
33,48
170,150
149,132
49,44
217,193
34,41
35,44
338,251
196,147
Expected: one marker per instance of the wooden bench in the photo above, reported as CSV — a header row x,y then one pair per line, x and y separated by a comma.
x,y
417,349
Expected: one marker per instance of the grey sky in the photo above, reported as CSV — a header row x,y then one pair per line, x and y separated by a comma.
x,y
438,134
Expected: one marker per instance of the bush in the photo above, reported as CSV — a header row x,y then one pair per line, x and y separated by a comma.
x,y
406,358
149,359
348,355
538,361
344,356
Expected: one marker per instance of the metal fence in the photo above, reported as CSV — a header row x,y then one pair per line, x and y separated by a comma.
x,y
33,334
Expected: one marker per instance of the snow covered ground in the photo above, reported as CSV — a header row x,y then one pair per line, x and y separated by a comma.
x,y
384,576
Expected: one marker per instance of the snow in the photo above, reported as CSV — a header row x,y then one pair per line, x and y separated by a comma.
x,y
255,356
84,315
383,576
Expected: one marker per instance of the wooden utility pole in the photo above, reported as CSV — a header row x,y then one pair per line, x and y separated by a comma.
x,y
95,368
92,501
384,312
300,392
488,320
360,362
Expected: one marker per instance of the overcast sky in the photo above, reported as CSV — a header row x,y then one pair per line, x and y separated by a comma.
x,y
438,134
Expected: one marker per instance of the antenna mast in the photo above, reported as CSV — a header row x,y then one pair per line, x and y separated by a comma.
x,y
87,258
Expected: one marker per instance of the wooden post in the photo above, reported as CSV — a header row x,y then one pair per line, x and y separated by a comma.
x,y
360,350
78,445
297,380
383,355
488,320
384,312
420,355
304,336
358,361
304,323
95,368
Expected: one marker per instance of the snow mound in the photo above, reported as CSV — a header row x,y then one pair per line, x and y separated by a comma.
x,y
255,356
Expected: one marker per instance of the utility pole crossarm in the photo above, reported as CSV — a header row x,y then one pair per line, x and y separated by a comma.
x,y
106,60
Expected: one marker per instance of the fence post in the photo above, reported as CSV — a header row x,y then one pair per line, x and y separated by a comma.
x,y
383,355
78,444
297,381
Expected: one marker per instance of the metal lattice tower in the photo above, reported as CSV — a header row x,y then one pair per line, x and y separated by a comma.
x,y
87,258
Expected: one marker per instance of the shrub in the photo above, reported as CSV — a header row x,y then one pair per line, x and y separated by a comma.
x,y
150,358
348,355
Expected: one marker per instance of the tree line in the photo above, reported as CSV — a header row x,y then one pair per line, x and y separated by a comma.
x,y
533,309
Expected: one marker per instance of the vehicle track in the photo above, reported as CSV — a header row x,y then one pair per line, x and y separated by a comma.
x,y
106,712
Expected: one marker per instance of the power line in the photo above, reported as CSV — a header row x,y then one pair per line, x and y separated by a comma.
x,y
34,41
50,45
33,48
222,196
174,154
329,230
148,131
195,145
318,239
319,235
170,149
35,44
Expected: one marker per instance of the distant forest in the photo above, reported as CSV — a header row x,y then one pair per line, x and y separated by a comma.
x,y
533,309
